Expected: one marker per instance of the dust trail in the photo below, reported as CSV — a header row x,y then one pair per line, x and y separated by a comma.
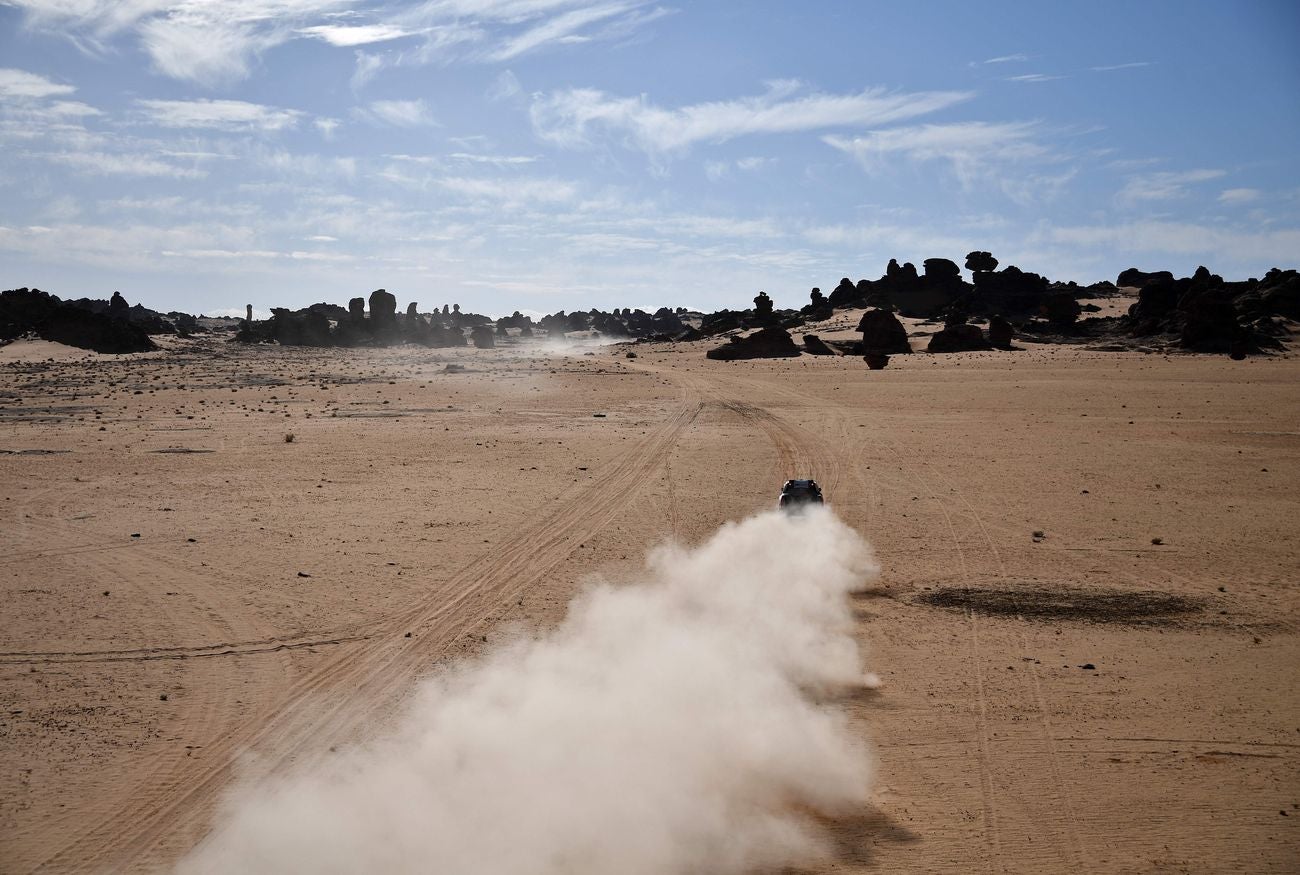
x,y
683,724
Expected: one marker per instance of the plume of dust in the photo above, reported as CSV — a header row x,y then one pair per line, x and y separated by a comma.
x,y
681,724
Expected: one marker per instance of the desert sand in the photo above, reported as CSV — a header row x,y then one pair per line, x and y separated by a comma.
x,y
1085,626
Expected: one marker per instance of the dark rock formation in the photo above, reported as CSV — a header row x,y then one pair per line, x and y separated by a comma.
x,y
31,310
1000,333
118,307
814,345
882,333
412,310
763,307
961,337
764,343
876,361
357,309
383,310
928,295
844,295
302,328
1138,279
1061,309
482,337
980,262
1009,291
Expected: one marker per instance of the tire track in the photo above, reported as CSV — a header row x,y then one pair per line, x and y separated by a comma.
x,y
174,814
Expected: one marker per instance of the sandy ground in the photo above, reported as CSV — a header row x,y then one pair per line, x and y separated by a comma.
x,y
179,584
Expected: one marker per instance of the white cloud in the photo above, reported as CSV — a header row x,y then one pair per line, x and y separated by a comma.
x,y
962,143
561,28
504,87
510,191
326,126
120,164
568,118
1003,59
1034,77
399,113
1128,66
1238,195
21,84
1164,185
356,35
221,115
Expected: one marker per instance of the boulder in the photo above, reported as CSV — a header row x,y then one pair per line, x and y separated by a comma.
x,y
883,333
117,306
1138,279
876,361
357,309
764,343
978,262
1000,333
482,337
814,345
383,310
959,338
1061,309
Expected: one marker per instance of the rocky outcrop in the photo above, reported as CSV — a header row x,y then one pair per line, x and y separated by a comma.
x,y
1000,333
383,312
303,328
959,337
882,333
24,311
118,307
814,345
1135,278
762,344
483,337
1010,291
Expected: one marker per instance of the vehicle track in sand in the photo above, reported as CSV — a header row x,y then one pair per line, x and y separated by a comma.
x,y
365,677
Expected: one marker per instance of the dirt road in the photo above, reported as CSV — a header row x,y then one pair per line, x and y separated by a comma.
x,y
1086,627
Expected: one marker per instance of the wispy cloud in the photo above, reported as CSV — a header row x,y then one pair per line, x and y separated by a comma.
x,y
398,113
220,115
1034,77
21,84
1239,195
213,43
570,118
1128,66
1163,186
121,164
1006,59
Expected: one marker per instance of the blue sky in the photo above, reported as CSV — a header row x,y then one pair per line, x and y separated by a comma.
x,y
564,154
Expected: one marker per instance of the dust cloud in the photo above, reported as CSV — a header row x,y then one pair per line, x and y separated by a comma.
x,y
682,724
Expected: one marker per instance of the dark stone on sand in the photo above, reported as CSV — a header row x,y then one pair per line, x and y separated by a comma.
x,y
876,361
483,337
883,333
814,345
1000,333
959,338
764,343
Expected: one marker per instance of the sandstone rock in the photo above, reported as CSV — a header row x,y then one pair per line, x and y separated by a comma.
x,y
482,337
764,343
814,345
1000,333
883,333
959,338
